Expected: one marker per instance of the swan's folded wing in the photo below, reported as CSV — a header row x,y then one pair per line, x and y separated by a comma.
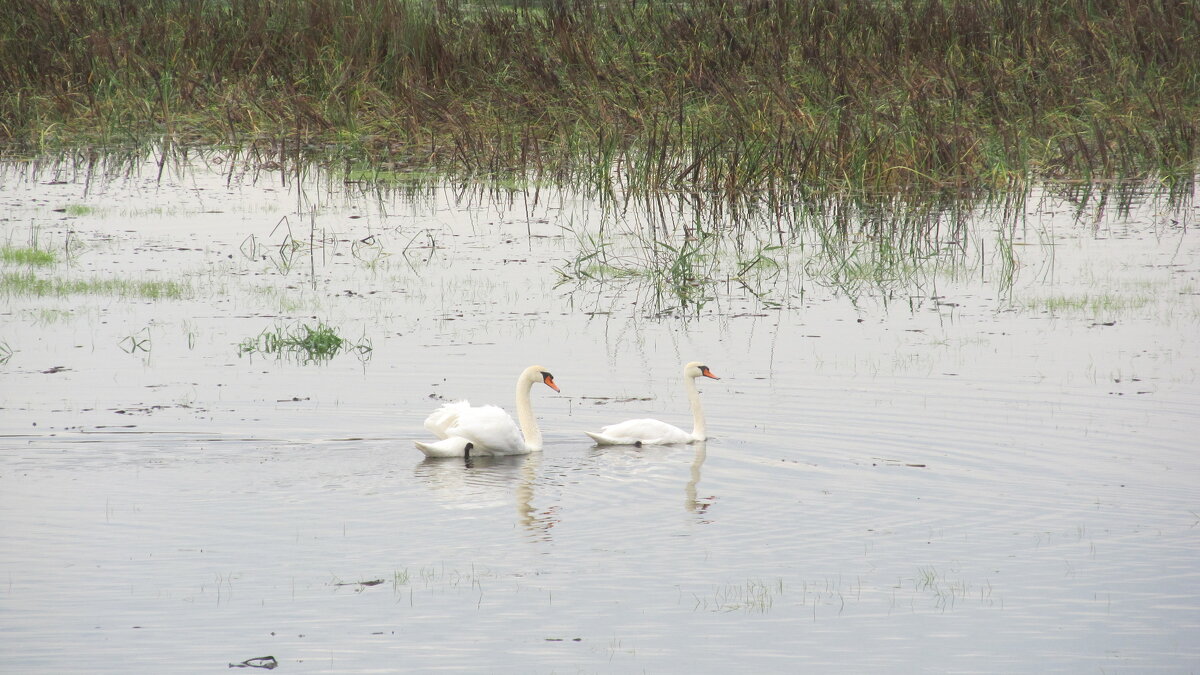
x,y
491,429
649,431
441,420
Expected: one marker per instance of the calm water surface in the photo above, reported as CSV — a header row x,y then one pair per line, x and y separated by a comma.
x,y
982,467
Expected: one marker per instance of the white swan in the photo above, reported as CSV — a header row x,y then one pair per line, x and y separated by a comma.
x,y
654,432
487,429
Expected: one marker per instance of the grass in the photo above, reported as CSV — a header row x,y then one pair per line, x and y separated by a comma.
x,y
1097,304
946,593
32,256
754,596
309,344
706,97
46,316
29,284
440,579
284,301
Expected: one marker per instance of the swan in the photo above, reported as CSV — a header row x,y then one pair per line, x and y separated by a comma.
x,y
654,432
487,429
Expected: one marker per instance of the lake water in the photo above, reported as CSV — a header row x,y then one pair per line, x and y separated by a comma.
x,y
977,457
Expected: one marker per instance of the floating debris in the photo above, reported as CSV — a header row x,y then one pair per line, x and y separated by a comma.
x,y
267,662
360,584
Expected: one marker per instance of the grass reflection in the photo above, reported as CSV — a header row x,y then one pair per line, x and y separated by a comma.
x,y
676,256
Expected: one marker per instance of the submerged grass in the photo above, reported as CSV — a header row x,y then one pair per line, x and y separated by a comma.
x,y
707,96
27,256
27,283
1096,304
79,210
755,596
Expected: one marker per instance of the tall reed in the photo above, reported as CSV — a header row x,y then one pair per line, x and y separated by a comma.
x,y
711,95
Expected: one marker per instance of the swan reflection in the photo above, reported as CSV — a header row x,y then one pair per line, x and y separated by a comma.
x,y
694,504
487,482
655,468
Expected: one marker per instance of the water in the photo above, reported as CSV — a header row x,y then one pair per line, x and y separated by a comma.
x,y
981,468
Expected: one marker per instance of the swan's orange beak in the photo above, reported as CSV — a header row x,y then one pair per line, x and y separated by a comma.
x,y
549,380
708,373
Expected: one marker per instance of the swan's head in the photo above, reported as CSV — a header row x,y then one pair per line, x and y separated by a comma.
x,y
696,369
534,374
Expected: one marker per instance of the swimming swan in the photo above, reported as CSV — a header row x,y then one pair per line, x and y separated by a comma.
x,y
487,429
654,432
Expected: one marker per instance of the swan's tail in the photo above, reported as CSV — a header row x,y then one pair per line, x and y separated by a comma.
x,y
601,439
455,446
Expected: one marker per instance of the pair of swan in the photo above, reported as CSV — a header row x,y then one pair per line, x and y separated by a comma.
x,y
489,430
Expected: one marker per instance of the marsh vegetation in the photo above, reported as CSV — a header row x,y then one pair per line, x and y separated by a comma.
x,y
709,97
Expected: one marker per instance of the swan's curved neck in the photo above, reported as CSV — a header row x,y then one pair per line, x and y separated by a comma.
x,y
529,427
699,432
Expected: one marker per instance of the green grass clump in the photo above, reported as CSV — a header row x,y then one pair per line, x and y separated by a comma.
x,y
79,210
1096,304
704,96
309,344
27,256
27,283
